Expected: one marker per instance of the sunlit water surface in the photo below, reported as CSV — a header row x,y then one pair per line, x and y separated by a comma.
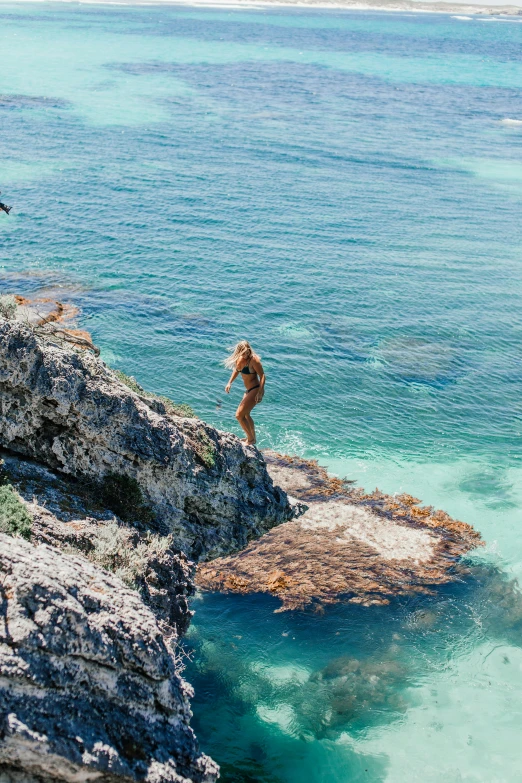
x,y
341,189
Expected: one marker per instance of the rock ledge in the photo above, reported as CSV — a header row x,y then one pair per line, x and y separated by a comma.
x,y
68,410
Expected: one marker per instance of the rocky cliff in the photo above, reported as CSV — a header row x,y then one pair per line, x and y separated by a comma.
x,y
64,514
68,410
104,477
88,689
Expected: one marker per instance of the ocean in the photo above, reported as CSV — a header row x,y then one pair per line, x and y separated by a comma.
x,y
344,190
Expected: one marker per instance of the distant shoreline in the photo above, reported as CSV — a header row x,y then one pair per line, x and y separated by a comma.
x,y
396,6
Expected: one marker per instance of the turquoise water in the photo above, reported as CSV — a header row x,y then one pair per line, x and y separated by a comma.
x,y
339,188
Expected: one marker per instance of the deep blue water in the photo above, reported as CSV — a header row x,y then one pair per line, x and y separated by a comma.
x,y
342,189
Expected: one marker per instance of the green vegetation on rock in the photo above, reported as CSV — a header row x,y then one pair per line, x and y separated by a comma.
x,y
176,410
14,517
129,381
205,450
171,407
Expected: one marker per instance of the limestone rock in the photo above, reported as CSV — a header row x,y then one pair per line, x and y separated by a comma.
x,y
67,409
88,689
67,518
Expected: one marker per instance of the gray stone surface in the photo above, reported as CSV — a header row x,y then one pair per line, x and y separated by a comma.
x,y
88,689
65,518
67,409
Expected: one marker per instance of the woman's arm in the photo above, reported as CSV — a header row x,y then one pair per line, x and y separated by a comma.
x,y
258,367
231,381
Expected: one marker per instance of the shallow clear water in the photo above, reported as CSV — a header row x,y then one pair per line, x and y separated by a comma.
x,y
338,187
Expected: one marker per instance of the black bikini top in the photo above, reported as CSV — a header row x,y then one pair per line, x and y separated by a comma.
x,y
246,371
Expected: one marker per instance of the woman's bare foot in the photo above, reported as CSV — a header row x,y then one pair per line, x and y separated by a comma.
x,y
251,443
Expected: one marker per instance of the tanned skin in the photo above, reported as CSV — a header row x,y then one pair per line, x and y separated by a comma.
x,y
250,398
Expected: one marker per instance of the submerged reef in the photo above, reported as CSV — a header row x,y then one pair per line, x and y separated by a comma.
x,y
350,690
331,676
365,548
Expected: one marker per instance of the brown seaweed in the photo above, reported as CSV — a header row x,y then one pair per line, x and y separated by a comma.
x,y
334,551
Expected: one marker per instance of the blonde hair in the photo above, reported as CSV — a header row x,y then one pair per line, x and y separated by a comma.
x,y
241,352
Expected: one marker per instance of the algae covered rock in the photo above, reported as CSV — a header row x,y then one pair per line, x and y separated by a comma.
x,y
68,410
347,545
88,690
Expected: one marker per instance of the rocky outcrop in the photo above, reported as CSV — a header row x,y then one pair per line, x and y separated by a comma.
x,y
364,548
113,479
88,689
65,517
68,410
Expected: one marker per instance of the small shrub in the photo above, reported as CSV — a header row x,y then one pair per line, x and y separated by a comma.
x,y
115,550
14,517
7,307
122,494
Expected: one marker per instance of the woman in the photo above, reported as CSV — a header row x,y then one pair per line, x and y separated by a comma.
x,y
243,361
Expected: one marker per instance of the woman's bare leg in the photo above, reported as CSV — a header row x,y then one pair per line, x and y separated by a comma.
x,y
244,418
244,424
252,428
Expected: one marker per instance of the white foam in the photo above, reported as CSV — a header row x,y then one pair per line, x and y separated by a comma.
x,y
508,121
